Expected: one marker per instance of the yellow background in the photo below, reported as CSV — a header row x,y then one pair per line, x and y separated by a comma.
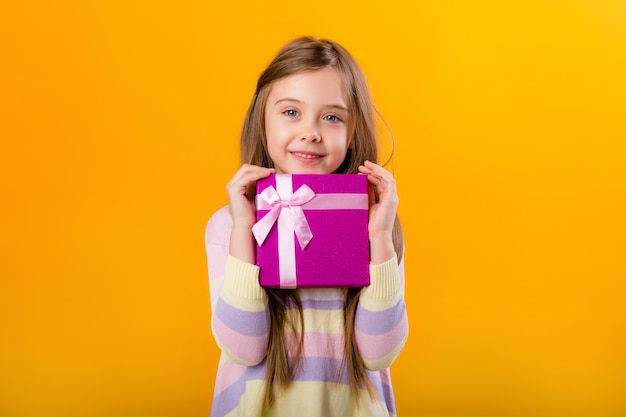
x,y
119,126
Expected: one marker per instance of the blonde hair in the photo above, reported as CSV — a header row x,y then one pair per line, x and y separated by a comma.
x,y
308,54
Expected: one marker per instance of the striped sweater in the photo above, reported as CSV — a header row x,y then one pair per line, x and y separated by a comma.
x,y
240,324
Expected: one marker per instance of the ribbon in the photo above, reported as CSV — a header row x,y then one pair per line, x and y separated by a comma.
x,y
286,208
289,208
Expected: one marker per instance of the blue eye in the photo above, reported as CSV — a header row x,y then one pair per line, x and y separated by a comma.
x,y
331,118
291,113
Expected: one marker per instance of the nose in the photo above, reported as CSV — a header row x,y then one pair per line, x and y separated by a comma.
x,y
310,133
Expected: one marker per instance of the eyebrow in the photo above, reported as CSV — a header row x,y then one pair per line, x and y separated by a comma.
x,y
333,106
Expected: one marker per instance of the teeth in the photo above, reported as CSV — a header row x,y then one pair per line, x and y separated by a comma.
x,y
306,156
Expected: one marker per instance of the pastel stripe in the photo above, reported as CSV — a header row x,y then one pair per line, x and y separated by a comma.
x,y
383,388
228,399
249,323
370,346
324,321
231,372
215,286
320,344
322,370
323,304
250,349
319,369
329,294
379,322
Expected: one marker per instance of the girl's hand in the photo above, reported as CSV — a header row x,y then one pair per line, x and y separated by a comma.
x,y
241,192
382,214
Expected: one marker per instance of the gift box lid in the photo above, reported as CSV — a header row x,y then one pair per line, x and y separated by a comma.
x,y
335,210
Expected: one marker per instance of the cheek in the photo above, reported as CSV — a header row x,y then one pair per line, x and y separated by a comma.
x,y
275,132
339,150
340,142
270,136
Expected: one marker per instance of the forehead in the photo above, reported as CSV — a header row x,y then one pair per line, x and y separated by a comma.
x,y
324,87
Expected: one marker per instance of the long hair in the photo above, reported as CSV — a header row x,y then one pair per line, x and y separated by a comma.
x,y
308,54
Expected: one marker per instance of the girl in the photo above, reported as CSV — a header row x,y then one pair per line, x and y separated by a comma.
x,y
306,352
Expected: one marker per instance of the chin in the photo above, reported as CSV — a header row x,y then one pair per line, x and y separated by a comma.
x,y
305,170
316,171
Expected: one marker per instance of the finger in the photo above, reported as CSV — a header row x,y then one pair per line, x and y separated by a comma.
x,y
382,178
364,170
373,180
250,178
252,171
377,170
372,166
248,174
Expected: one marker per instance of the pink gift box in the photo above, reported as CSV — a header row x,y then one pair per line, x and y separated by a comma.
x,y
311,231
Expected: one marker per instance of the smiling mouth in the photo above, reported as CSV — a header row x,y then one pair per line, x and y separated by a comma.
x,y
306,155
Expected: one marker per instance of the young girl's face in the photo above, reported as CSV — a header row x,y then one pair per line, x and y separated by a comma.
x,y
306,123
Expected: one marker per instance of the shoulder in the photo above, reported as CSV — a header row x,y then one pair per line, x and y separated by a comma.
x,y
218,228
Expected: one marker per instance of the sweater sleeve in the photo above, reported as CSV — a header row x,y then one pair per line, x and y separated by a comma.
x,y
381,319
240,314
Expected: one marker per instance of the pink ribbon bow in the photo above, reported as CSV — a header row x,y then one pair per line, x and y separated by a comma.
x,y
288,212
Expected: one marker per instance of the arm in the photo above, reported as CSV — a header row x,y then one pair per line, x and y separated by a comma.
x,y
240,317
382,213
240,313
381,325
